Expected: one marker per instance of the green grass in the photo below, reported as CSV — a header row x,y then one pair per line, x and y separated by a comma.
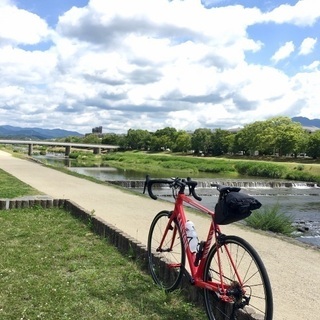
x,y
165,164
12,187
271,219
53,267
230,168
168,163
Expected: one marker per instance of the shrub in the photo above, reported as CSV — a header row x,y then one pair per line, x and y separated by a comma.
x,y
74,155
300,175
261,169
271,219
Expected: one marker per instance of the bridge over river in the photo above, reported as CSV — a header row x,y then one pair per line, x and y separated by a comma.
x,y
68,145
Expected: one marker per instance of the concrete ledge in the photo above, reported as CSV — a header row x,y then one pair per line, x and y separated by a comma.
x,y
22,203
122,241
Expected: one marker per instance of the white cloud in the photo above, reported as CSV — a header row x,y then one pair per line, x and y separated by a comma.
x,y
313,66
283,52
303,13
307,87
307,46
25,67
20,26
148,64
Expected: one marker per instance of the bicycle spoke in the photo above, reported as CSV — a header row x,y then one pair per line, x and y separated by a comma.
x,y
244,278
165,254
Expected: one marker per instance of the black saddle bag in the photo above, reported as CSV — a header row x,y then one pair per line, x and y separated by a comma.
x,y
234,206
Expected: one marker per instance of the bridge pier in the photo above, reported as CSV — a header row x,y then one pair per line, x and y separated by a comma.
x,y
96,150
30,149
68,150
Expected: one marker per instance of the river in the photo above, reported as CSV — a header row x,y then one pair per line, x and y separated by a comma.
x,y
297,199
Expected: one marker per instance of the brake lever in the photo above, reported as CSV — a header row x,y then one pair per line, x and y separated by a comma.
x,y
192,190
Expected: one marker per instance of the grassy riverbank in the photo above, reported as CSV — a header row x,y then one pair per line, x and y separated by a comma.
x,y
11,187
231,168
188,165
53,267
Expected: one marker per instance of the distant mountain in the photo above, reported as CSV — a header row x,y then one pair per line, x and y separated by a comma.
x,y
35,133
305,122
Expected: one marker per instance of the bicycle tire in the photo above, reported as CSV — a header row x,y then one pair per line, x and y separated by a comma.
x,y
254,276
166,267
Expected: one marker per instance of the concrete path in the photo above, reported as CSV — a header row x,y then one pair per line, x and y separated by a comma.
x,y
294,269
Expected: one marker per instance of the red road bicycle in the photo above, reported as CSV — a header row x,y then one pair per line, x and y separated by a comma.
x,y
228,269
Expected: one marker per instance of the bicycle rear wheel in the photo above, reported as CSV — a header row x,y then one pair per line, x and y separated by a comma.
x,y
248,293
166,263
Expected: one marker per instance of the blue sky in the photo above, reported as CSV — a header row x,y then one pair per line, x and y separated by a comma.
x,y
49,10
148,64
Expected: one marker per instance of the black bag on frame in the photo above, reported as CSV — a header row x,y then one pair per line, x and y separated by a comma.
x,y
234,206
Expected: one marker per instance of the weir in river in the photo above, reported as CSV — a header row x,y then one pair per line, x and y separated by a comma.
x,y
242,184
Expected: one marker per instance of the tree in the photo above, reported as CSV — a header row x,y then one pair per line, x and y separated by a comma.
x,y
138,139
91,138
163,139
220,142
302,143
254,137
276,135
201,140
111,138
155,143
72,139
313,145
182,142
286,134
239,143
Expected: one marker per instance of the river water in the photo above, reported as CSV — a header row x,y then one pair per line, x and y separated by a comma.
x,y
298,199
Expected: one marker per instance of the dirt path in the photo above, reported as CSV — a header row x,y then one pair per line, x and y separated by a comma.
x,y
294,269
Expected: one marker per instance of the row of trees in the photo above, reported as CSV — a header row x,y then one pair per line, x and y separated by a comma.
x,y
279,135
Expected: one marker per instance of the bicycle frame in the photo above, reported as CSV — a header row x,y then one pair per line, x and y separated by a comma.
x,y
197,271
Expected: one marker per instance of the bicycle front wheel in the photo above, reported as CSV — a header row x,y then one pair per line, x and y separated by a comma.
x,y
166,255
245,277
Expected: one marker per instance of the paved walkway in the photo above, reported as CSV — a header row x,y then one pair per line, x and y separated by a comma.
x,y
293,269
